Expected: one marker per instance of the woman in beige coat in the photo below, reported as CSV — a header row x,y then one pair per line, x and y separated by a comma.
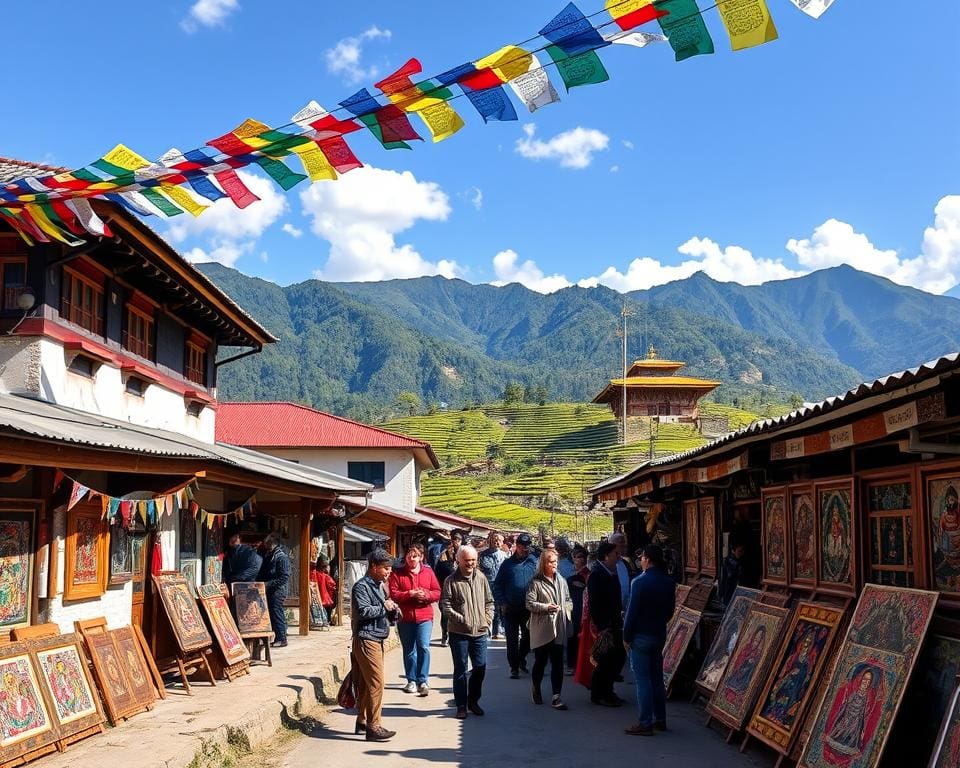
x,y
550,606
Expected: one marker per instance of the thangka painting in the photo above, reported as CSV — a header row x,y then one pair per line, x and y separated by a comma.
x,y
681,595
736,693
867,684
691,524
774,537
944,510
803,545
836,537
224,628
85,553
946,753
25,722
118,694
318,614
796,674
70,689
183,614
16,568
724,642
708,537
121,555
250,604
213,554
138,674
679,634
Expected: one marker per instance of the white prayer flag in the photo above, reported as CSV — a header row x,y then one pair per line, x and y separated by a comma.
x,y
815,8
309,114
86,216
533,87
636,39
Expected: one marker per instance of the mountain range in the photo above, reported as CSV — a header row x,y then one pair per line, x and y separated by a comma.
x,y
351,348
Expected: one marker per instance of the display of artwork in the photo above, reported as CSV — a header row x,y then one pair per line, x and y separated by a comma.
x,y
182,613
733,700
118,695
224,628
796,673
946,753
121,555
213,554
25,721
138,551
680,632
86,553
724,642
774,528
803,536
250,604
890,513
138,674
16,568
836,536
944,511
868,680
708,537
691,528
681,594
66,679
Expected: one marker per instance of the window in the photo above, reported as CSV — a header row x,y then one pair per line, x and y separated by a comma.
x,y
138,336
196,364
194,408
13,274
81,302
367,472
136,386
82,365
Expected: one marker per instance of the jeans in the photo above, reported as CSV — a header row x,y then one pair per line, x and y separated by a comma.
x,y
518,636
646,661
415,639
463,647
277,618
552,652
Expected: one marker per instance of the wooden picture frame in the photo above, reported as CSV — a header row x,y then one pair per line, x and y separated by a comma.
x,y
138,672
222,625
18,536
773,534
837,538
803,537
85,574
795,675
121,555
718,656
182,613
893,539
946,751
943,523
691,536
116,690
251,607
69,687
212,554
681,594
682,628
708,536
27,729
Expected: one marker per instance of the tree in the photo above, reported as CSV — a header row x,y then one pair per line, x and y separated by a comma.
x,y
540,394
513,393
408,402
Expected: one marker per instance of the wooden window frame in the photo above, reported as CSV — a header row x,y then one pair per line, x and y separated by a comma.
x,y
9,302
73,591
198,375
144,347
73,313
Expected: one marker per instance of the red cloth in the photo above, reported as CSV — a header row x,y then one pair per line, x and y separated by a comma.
x,y
326,586
403,582
156,558
588,636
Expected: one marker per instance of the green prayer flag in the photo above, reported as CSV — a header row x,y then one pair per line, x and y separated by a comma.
x,y
280,173
281,143
582,69
162,202
371,122
685,28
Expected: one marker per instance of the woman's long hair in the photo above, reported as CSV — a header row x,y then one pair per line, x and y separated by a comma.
x,y
542,561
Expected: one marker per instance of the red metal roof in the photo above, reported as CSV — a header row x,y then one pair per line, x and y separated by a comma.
x,y
290,425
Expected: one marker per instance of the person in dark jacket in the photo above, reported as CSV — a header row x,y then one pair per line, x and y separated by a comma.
x,y
242,563
603,601
275,574
510,593
651,604
730,573
577,584
446,566
371,614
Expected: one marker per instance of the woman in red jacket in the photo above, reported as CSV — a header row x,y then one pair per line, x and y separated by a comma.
x,y
414,587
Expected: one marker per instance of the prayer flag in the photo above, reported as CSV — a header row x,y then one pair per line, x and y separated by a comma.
x,y
126,513
235,188
374,127
632,13
814,8
58,477
184,199
392,125
22,223
242,139
141,507
40,218
59,214
126,200
309,114
442,120
748,23
104,507
582,69
162,202
330,127
339,154
88,217
636,39
685,29
280,173
151,508
506,63
114,507
77,494
533,87
316,165
483,91
200,183
120,159
572,32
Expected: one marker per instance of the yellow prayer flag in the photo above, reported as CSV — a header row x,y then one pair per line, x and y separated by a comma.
x,y
249,128
210,519
618,8
125,158
507,63
442,120
182,198
161,504
41,220
142,510
315,163
748,22
104,506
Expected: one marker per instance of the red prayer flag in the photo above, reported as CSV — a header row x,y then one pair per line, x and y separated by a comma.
x,y
67,217
640,16
235,188
400,80
328,127
339,154
481,80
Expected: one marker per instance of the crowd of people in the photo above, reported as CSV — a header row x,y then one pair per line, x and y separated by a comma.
x,y
580,614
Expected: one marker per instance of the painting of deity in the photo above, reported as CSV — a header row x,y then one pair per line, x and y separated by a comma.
x,y
890,497
708,536
118,694
836,536
250,604
796,674
944,509
724,642
188,533
891,619
774,537
24,719
64,674
85,565
213,554
182,612
121,555
16,568
733,700
804,541
136,666
679,634
691,523
681,594
946,753
86,553
224,628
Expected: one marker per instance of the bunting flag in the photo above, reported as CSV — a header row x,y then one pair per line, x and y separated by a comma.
x,y
238,192
482,90
429,104
87,217
685,29
149,510
814,8
629,14
582,69
78,493
636,39
533,87
393,125
572,32
748,23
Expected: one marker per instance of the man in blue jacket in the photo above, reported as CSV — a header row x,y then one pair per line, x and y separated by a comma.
x,y
275,574
510,593
651,604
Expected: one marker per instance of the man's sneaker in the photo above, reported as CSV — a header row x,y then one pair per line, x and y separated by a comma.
x,y
557,703
410,687
423,689
514,674
379,733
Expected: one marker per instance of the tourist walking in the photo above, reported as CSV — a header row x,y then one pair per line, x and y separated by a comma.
x,y
551,611
577,585
510,592
652,599
371,610
467,602
414,588
275,574
489,561
603,602
446,565
240,562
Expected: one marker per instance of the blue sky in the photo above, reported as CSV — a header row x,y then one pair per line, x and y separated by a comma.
x,y
836,143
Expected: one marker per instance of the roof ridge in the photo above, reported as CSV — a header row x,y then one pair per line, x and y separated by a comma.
x,y
31,164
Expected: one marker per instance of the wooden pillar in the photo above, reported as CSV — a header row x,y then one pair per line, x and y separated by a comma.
x,y
341,576
305,518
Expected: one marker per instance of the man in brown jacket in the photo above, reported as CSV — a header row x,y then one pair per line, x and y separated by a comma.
x,y
467,603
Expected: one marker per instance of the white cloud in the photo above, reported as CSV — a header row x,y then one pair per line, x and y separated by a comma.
x,y
208,13
573,149
294,232
474,196
936,269
527,273
224,252
627,143
361,214
730,264
614,169
346,57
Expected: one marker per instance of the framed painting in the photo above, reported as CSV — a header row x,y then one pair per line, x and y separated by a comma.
x,y
25,721
774,535
867,683
892,559
681,595
182,612
708,537
66,679
682,628
836,552
17,532
213,554
943,509
138,673
736,693
796,674
250,604
718,656
691,536
946,752
221,622
121,555
109,667
803,537
85,553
